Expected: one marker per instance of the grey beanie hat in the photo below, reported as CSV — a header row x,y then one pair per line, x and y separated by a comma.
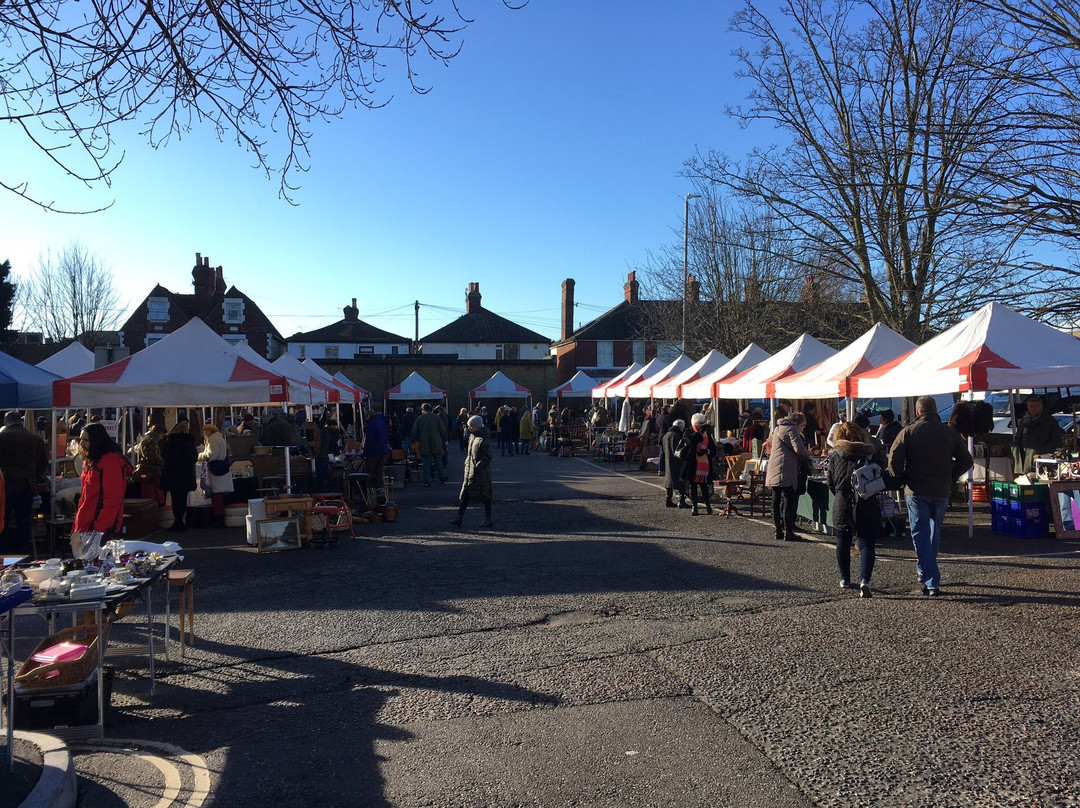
x,y
476,422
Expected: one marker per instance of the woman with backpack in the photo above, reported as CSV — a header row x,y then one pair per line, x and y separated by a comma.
x,y
852,515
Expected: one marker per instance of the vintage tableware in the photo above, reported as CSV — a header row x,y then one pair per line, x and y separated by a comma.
x,y
36,575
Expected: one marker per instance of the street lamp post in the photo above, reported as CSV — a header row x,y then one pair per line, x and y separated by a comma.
x,y
685,270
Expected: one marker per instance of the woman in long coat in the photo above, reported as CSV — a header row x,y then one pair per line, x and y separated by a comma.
x,y
673,466
180,453
477,480
698,470
852,516
787,449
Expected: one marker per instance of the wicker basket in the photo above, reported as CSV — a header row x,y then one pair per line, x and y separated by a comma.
x,y
61,674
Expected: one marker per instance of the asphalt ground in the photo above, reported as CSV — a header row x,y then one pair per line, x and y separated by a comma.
x,y
598,649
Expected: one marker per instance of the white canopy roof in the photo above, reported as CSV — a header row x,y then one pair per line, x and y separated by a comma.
x,y
76,358
995,348
617,389
759,381
348,394
598,391
296,390
644,387
322,392
580,385
343,379
415,388
24,385
190,367
669,388
703,387
832,377
500,386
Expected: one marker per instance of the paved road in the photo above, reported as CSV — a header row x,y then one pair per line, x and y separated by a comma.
x,y
598,650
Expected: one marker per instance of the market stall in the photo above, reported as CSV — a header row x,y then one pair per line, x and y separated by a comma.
x,y
500,386
631,370
669,388
580,385
643,388
703,387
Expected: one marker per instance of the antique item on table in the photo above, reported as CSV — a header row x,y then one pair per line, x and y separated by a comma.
x,y
277,534
1065,506
86,546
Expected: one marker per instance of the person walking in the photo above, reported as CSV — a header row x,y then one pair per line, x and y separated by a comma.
x,y
853,516
23,463
463,429
104,481
376,446
928,457
673,468
698,470
786,451
477,482
179,454
430,435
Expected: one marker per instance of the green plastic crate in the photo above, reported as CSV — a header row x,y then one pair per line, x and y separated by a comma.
x,y
999,489
1029,493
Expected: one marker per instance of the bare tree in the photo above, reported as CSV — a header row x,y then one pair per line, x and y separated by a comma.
x,y
891,125
745,287
254,70
70,295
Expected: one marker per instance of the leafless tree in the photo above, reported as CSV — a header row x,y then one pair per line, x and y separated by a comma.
x,y
891,121
70,295
745,287
259,71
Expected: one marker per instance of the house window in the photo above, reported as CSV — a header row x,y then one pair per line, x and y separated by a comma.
x,y
234,339
512,351
303,352
234,311
157,309
366,349
394,349
639,351
330,352
500,352
605,354
152,338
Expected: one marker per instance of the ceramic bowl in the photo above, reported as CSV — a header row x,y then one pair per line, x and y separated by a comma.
x,y
36,575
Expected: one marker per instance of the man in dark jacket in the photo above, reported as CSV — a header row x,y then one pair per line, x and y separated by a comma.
x,y
23,462
888,429
1038,434
376,446
928,456
673,468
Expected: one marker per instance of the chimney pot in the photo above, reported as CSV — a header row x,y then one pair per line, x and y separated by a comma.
x,y
472,299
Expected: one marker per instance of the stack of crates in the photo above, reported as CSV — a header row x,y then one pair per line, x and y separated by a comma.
x,y
1017,510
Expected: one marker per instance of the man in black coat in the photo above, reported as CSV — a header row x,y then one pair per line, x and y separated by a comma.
x,y
673,469
23,462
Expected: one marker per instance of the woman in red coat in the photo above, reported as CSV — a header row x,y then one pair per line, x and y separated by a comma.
x,y
104,481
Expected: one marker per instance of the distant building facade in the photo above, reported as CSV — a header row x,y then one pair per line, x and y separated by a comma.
x,y
348,338
482,334
229,312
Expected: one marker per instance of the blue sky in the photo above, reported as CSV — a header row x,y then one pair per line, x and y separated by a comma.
x,y
550,148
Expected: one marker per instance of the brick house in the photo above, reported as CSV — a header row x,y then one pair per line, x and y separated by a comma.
x,y
615,339
228,311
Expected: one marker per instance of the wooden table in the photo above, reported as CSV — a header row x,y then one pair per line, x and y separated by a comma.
x,y
290,505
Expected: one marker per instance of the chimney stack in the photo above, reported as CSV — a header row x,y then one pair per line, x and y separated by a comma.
x,y
351,312
472,298
630,289
567,308
202,278
693,290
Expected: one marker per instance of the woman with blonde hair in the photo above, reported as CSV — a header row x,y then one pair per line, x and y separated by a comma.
x,y
215,454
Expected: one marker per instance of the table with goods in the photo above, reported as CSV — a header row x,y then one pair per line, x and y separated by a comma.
x,y
62,684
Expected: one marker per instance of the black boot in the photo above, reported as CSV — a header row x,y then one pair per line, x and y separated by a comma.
x,y
695,512
682,501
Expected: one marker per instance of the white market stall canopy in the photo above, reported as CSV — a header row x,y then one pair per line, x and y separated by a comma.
x,y
500,386
24,386
749,357
832,377
362,394
644,387
759,381
321,392
995,348
617,389
296,391
669,388
598,391
76,358
580,385
348,393
190,367
415,388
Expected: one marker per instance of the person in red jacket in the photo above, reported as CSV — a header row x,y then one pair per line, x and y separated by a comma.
x,y
104,481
